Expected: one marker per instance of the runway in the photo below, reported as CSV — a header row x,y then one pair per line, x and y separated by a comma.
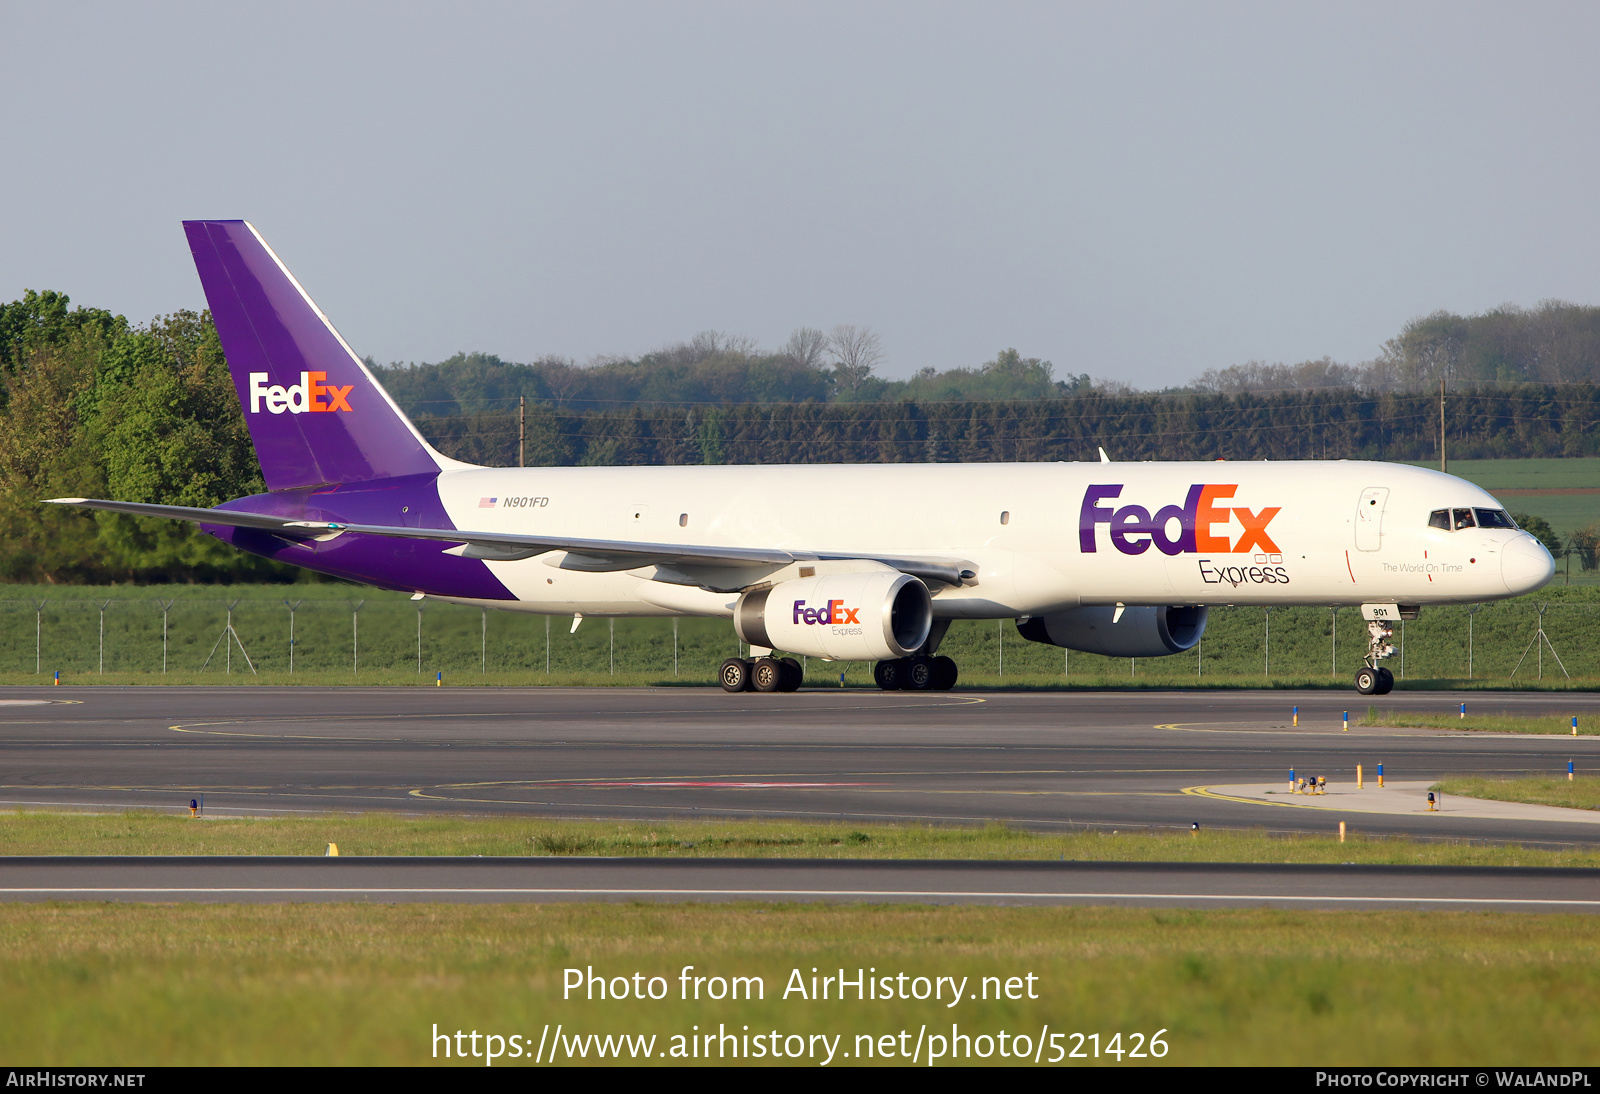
x,y
1045,760
457,880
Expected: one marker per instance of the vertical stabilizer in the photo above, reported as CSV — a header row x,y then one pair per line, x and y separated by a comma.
x,y
315,413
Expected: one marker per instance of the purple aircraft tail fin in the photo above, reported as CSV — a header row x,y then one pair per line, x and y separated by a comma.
x,y
315,413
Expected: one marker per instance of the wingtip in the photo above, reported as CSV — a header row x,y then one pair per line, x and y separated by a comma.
x,y
65,501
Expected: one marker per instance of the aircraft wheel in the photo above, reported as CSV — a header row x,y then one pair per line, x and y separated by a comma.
x,y
793,674
766,674
889,675
1385,682
734,674
1368,681
919,674
944,673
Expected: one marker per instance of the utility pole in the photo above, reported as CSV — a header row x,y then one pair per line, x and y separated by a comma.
x,y
1444,464
522,431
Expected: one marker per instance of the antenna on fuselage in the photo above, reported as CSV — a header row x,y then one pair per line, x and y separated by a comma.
x,y
1103,457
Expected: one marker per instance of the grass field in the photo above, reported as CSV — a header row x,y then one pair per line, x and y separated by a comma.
x,y
60,833
1579,793
59,629
1534,474
360,984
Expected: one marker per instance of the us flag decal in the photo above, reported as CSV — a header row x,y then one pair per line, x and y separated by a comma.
x,y
487,503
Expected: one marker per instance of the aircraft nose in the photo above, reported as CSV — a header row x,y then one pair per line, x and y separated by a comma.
x,y
1525,565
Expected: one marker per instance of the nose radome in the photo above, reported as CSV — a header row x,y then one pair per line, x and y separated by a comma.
x,y
1525,565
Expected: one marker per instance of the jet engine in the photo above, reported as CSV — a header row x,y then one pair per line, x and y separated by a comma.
x,y
1139,632
873,616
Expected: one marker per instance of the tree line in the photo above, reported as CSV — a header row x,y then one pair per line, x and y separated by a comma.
x,y
712,369
1330,423
1554,343
92,405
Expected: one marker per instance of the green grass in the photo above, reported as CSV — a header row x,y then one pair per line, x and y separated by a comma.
x,y
146,985
1484,723
61,833
1580,793
1243,647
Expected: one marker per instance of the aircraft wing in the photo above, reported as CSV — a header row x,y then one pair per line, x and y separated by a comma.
x,y
584,554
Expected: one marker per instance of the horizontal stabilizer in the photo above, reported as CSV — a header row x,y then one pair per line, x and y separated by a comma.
x,y
594,554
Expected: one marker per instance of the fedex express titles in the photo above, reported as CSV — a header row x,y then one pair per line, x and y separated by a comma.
x,y
309,396
834,614
1186,529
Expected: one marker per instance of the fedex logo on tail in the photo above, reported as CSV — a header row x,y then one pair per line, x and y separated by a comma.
x,y
309,396
835,613
1190,528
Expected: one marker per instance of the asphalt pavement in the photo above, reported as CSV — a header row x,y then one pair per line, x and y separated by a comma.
x,y
1046,760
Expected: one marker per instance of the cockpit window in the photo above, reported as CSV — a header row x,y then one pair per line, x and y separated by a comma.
x,y
1453,520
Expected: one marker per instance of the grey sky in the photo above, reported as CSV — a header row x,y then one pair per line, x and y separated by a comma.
x,y
1140,191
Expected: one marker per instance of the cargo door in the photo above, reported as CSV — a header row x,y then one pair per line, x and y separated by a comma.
x,y
1369,517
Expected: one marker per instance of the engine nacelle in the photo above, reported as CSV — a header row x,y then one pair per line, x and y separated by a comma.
x,y
872,616
1141,632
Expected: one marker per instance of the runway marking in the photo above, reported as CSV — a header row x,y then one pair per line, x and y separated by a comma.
x,y
937,894
40,702
116,808
1205,792
202,727
678,784
710,779
423,794
1193,727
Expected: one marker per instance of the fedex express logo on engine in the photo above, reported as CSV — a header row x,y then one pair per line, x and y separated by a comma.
x,y
834,613
1190,528
309,396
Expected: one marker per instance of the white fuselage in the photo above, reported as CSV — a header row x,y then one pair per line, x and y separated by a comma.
x,y
1038,537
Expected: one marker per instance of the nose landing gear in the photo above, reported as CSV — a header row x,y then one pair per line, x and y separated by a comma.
x,y
1372,679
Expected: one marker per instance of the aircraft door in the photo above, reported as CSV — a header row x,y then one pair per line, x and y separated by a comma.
x,y
1369,518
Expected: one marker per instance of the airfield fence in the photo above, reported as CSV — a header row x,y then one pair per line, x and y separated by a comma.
x,y
384,636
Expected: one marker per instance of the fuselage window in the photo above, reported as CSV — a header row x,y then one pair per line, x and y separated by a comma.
x,y
1439,518
1494,518
1463,519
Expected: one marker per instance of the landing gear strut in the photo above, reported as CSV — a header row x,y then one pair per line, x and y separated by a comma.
x,y
1372,679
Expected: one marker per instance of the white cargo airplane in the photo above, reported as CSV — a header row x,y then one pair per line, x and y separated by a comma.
x,y
846,563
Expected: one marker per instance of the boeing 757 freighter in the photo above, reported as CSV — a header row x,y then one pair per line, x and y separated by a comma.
x,y
856,563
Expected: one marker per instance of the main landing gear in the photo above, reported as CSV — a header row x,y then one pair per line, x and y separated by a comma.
x,y
915,673
1372,679
761,674
921,671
